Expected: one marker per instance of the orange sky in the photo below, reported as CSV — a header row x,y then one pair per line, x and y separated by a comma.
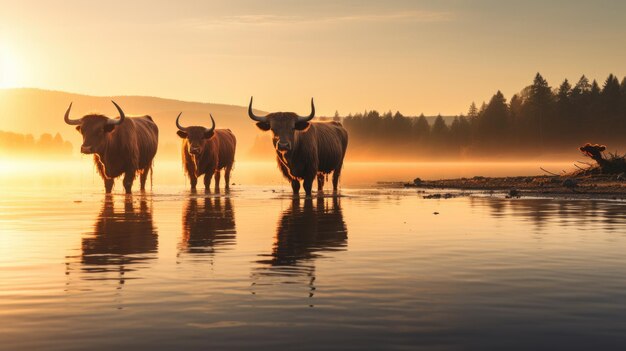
x,y
413,56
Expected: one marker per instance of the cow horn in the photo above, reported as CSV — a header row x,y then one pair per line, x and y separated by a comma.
x,y
251,114
112,121
184,129
69,121
213,124
309,117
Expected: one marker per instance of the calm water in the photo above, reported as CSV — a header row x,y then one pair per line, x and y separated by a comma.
x,y
372,269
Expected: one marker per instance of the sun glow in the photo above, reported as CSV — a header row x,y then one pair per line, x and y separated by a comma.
x,y
9,68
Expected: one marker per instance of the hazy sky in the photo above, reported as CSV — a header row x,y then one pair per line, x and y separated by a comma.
x,y
413,56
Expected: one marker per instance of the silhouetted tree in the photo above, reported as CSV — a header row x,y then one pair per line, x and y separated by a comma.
x,y
46,144
537,118
336,117
421,130
611,101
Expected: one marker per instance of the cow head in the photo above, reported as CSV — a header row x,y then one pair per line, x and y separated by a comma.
x,y
94,129
195,135
283,126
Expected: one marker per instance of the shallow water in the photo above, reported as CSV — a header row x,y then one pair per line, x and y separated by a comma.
x,y
253,268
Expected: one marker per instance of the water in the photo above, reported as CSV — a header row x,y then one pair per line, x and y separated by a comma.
x,y
253,268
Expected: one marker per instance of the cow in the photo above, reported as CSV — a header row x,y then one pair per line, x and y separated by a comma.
x,y
206,152
126,145
305,150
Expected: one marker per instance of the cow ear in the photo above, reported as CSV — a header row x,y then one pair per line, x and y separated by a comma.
x,y
108,128
209,135
181,134
302,126
264,126
78,128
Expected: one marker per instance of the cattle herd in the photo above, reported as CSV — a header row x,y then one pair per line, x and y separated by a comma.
x,y
126,146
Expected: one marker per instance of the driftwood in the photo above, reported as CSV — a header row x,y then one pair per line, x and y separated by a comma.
x,y
551,173
613,164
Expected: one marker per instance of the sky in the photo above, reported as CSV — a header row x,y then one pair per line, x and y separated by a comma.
x,y
413,56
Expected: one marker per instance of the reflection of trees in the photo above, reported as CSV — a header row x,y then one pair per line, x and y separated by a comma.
x,y
562,212
208,225
303,233
120,241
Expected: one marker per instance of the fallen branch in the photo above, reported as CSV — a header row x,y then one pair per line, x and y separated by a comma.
x,y
543,169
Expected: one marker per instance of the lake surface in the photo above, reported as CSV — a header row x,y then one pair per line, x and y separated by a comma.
x,y
254,268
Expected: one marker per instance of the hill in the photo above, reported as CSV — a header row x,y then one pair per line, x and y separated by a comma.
x,y
37,111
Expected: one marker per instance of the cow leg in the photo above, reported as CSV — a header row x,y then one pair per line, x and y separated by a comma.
x,y
227,177
193,180
336,175
129,177
217,180
295,186
108,185
308,185
320,183
143,177
207,181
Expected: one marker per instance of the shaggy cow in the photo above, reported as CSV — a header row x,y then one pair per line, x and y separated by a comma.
x,y
305,150
120,146
206,152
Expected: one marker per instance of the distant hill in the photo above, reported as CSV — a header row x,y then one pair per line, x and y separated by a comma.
x,y
37,111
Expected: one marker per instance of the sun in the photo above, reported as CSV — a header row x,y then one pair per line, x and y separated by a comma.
x,y
9,68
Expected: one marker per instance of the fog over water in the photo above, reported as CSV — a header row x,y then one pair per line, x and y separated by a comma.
x,y
80,172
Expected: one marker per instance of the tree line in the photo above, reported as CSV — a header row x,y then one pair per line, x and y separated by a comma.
x,y
20,144
539,119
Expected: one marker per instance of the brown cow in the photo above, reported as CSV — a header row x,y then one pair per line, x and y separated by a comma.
x,y
206,152
120,146
305,150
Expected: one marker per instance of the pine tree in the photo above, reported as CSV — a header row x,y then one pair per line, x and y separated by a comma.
x,y
439,131
421,129
582,87
564,91
611,95
493,124
539,112
336,117
472,113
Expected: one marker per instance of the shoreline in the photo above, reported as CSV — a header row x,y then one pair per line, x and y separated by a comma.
x,y
601,187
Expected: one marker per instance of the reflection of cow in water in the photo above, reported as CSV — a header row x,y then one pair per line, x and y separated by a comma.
x,y
119,240
208,225
303,234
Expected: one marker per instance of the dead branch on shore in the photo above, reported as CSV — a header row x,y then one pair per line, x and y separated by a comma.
x,y
613,164
551,173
